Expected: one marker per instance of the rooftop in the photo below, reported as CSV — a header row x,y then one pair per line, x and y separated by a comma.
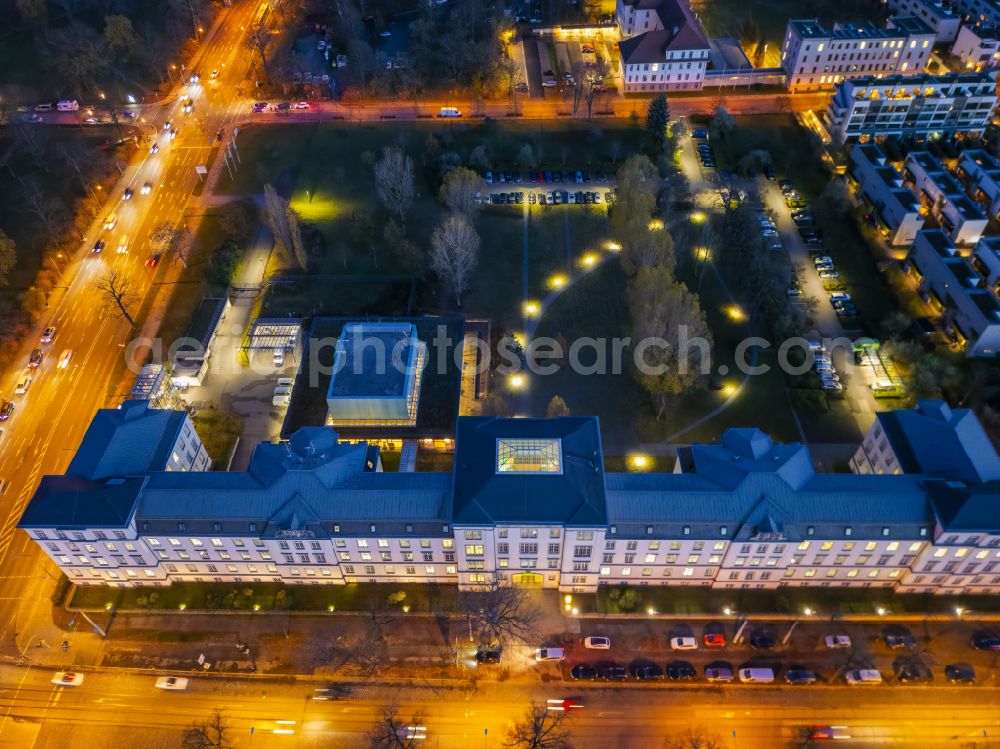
x,y
373,360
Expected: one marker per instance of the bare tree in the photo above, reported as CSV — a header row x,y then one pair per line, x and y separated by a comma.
x,y
392,732
119,295
693,738
394,180
454,253
172,240
212,734
539,728
256,41
77,158
34,141
460,188
8,257
51,214
499,612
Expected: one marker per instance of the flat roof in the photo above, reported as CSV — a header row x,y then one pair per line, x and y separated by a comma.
x,y
206,319
373,360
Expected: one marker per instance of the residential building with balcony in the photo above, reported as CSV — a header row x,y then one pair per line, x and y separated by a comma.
x,y
924,107
978,46
881,186
979,171
942,17
969,310
527,500
986,260
664,47
942,195
815,58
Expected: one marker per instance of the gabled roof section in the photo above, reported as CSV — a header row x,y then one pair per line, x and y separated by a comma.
x,y
966,508
743,452
76,502
483,494
941,442
127,441
311,450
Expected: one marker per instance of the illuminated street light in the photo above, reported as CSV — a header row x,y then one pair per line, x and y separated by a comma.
x,y
698,217
589,260
651,611
959,611
727,611
729,389
557,281
735,313
517,382
531,308
639,462
613,247
656,225
880,611
808,611
331,607
703,254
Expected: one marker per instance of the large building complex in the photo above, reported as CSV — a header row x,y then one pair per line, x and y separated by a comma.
x,y
944,19
529,499
815,58
922,107
664,47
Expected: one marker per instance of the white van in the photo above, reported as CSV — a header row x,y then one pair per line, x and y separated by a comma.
x,y
450,112
281,390
863,676
68,105
756,675
280,400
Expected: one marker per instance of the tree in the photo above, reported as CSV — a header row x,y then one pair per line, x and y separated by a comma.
x,y
657,121
494,405
394,180
499,612
526,157
722,123
539,728
557,407
212,734
238,219
34,13
78,54
172,240
119,295
754,161
643,244
257,40
35,142
51,214
8,257
459,190
835,199
120,37
926,374
664,310
693,738
276,217
454,253
391,732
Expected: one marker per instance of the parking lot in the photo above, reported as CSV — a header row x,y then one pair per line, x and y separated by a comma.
x,y
801,653
547,187
563,63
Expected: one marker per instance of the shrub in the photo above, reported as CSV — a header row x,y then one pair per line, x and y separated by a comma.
x,y
629,600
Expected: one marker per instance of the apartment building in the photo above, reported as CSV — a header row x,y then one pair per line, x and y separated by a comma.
x,y
924,107
815,58
940,16
664,47
940,192
978,46
979,172
986,260
881,186
527,499
969,311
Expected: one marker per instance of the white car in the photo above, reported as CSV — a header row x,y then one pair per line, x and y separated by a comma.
x,y
550,654
866,676
413,733
174,683
831,385
146,188
823,260
48,334
123,245
67,679
683,643
301,105
829,274
597,643
155,148
64,359
837,642
840,296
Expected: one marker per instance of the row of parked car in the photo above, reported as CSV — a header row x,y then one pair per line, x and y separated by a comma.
x,y
547,177
553,197
824,368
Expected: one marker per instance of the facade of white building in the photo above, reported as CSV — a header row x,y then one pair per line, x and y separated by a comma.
x,y
664,47
924,107
978,46
815,58
527,499
940,192
881,185
943,18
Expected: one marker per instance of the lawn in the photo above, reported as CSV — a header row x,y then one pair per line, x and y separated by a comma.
x,y
268,597
326,172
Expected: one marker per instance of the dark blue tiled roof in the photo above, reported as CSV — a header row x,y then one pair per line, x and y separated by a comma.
x,y
75,502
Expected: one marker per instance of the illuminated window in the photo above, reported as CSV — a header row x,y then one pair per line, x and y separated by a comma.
x,y
529,456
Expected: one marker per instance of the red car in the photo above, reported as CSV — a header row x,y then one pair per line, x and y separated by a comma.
x,y
153,260
562,705
715,635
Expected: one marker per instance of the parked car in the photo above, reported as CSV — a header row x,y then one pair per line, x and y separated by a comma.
x,y
583,673
488,655
612,672
960,673
829,274
550,654
798,675
863,676
683,643
914,672
597,642
699,133
719,671
831,385
756,675
898,637
647,672
715,635
761,639
681,671
985,640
